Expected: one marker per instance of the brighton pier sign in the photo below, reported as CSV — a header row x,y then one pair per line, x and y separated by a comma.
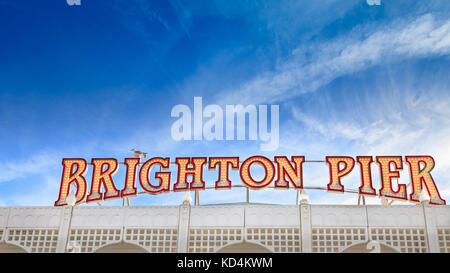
x,y
284,172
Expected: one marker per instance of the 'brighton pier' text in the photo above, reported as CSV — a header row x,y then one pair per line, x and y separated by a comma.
x,y
286,172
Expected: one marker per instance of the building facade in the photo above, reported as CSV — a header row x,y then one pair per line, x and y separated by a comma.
x,y
226,228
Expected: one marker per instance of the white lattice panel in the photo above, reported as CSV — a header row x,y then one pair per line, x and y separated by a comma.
x,y
95,217
441,215
34,217
273,216
336,239
217,216
276,239
3,217
90,240
34,240
211,239
338,216
396,216
408,240
154,240
150,217
444,240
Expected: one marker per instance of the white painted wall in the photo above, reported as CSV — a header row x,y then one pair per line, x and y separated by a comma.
x,y
279,228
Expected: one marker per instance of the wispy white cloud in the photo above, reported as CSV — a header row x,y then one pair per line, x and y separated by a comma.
x,y
308,69
44,195
421,127
312,67
329,130
36,164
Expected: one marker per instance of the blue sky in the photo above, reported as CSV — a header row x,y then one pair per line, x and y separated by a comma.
x,y
98,79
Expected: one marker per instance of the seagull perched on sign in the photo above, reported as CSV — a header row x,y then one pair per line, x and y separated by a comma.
x,y
139,153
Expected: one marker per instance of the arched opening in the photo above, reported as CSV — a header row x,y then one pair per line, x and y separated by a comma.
x,y
121,247
244,247
369,247
10,248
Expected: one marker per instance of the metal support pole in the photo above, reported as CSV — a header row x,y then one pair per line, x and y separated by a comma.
x,y
361,198
196,198
431,229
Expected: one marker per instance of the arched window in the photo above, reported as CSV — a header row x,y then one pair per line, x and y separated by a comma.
x,y
10,248
121,247
244,247
369,247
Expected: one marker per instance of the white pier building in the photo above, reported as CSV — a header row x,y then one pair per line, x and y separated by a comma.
x,y
242,227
